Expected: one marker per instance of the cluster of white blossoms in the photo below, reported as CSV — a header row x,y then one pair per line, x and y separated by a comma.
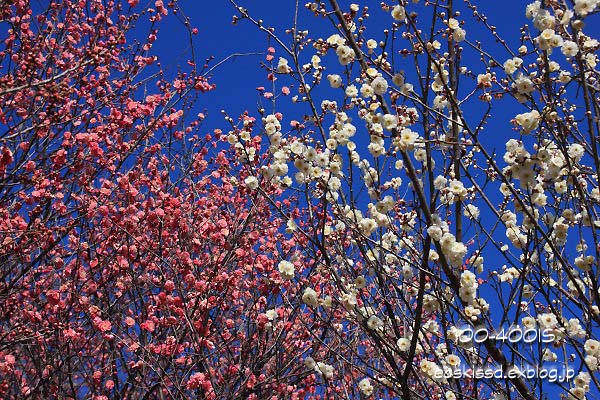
x,y
310,297
441,76
341,132
431,371
251,182
451,191
454,251
366,387
468,287
528,121
458,33
528,322
509,274
472,211
273,130
514,232
379,211
592,353
581,385
450,363
286,269
454,334
542,19
476,260
379,85
328,162
323,369
584,7
523,85
577,286
584,262
283,67
277,170
576,331
520,164
344,52
406,140
241,143
569,48
431,303
335,81
311,164
512,64
559,231
547,320
549,356
374,323
404,345
377,145
438,228
552,166
484,80
348,300
548,39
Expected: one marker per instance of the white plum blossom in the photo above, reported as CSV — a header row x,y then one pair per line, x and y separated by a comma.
x,y
379,85
366,387
351,91
523,85
547,320
569,48
528,121
399,13
325,370
345,54
310,298
584,7
286,269
251,182
512,64
283,67
334,80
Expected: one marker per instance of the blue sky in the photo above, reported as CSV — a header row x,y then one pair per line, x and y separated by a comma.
x,y
238,78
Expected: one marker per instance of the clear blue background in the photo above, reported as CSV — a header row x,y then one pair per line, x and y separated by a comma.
x,y
238,78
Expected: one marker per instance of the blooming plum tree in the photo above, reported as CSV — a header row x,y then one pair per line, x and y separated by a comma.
x,y
436,255
133,263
